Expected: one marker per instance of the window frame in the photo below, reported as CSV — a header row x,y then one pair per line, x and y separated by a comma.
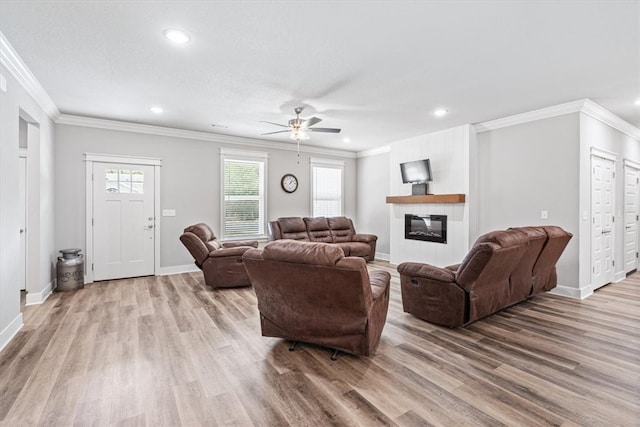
x,y
327,164
227,154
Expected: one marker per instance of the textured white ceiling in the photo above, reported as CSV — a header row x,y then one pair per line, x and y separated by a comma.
x,y
375,69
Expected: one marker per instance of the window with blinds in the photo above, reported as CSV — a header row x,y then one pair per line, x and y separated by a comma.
x,y
327,189
243,201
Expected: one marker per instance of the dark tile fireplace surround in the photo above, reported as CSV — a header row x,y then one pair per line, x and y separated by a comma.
x,y
429,228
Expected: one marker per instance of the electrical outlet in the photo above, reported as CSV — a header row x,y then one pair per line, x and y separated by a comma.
x,y
544,214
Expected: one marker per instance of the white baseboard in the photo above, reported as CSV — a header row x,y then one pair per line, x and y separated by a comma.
x,y
10,331
34,298
619,276
177,269
382,256
566,291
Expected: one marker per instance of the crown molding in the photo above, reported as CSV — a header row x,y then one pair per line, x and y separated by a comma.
x,y
530,116
10,60
374,151
598,112
585,106
67,119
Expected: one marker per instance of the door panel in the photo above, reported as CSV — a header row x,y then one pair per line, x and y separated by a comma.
x,y
602,211
124,224
22,206
631,193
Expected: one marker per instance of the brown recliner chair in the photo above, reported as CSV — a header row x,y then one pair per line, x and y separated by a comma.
x,y
221,263
310,292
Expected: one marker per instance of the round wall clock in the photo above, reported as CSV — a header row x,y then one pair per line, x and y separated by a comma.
x,y
289,183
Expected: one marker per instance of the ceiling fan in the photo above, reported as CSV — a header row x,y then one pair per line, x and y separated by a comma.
x,y
300,128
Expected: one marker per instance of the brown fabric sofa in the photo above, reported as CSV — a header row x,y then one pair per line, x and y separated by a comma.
x,y
221,263
336,230
311,292
501,269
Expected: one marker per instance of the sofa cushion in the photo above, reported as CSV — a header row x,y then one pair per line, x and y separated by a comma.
x,y
318,229
341,229
293,228
303,252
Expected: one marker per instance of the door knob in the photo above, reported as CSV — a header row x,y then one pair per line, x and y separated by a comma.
x,y
150,226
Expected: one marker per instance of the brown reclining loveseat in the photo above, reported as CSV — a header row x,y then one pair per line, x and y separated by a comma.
x,y
501,269
311,292
336,230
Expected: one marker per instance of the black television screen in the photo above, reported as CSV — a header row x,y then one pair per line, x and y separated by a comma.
x,y
416,172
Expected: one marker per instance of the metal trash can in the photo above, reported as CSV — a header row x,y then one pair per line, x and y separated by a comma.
x,y
70,270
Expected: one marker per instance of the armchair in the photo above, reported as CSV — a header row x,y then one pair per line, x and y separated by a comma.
x,y
221,263
311,292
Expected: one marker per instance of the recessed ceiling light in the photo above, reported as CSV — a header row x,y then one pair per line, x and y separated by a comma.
x,y
347,140
177,36
156,110
637,102
440,112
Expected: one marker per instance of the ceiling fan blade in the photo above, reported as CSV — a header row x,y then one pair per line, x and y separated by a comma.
x,y
329,130
278,131
312,121
272,123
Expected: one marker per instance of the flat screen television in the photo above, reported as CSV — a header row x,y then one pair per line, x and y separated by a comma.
x,y
417,172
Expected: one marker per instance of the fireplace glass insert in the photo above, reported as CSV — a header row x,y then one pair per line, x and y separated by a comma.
x,y
430,228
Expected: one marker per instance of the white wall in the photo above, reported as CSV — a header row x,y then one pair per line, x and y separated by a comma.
x,y
190,181
449,152
594,133
373,188
16,102
525,169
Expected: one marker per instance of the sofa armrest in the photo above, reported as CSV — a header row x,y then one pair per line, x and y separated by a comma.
x,y
426,271
225,252
237,243
366,238
453,267
380,281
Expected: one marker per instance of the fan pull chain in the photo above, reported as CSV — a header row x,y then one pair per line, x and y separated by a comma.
x,y
298,144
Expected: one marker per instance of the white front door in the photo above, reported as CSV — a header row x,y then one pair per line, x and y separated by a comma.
x,y
123,220
631,193
22,206
602,212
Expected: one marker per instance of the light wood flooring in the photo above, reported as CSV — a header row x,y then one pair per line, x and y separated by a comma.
x,y
168,351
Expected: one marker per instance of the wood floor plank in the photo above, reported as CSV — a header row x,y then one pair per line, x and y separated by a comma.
x,y
168,350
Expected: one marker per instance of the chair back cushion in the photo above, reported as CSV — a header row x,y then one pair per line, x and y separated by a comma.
x,y
486,270
545,277
293,228
310,289
522,278
318,229
199,240
341,229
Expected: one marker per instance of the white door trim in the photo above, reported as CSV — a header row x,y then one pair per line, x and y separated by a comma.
x,y
604,154
89,159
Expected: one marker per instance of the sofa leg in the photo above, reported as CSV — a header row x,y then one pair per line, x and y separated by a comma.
x,y
293,345
335,355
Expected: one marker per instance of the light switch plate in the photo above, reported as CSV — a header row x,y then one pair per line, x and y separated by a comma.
x,y
168,212
544,214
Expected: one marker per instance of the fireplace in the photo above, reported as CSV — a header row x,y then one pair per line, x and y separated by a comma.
x,y
429,228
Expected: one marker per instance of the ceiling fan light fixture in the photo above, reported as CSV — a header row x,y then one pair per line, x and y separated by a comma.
x,y
176,36
299,135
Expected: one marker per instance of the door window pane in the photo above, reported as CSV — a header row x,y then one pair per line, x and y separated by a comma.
x,y
124,181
